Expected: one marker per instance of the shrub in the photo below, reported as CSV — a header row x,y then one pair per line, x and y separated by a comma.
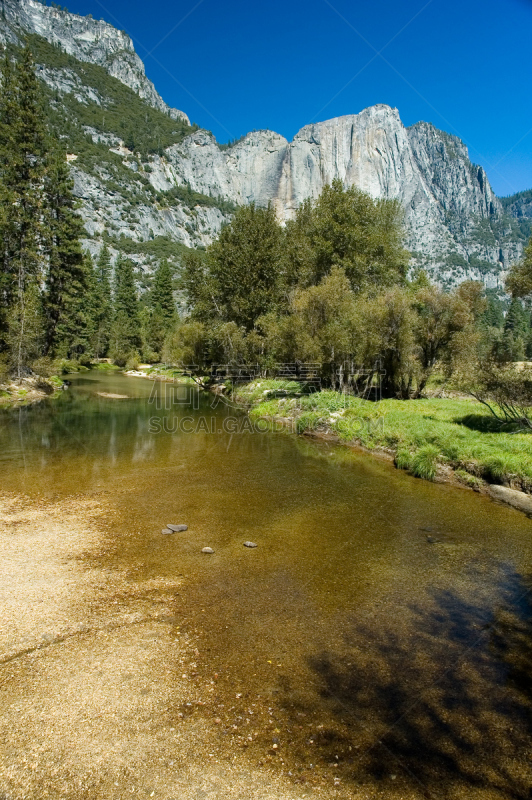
x,y
133,361
403,459
425,461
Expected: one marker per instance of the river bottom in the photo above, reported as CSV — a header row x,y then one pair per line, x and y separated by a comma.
x,y
377,640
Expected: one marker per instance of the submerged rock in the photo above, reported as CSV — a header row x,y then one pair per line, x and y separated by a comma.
x,y
207,550
177,528
249,544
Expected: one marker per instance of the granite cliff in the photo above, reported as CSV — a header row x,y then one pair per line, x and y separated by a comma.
x,y
154,192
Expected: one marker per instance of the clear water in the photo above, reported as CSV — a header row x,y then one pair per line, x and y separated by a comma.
x,y
406,662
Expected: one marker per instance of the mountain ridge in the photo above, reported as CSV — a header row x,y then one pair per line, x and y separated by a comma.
x,y
87,39
143,180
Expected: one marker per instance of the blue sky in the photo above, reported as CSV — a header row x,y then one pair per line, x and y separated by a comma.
x,y
239,65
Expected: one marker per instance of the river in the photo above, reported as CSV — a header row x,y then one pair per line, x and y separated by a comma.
x,y
382,622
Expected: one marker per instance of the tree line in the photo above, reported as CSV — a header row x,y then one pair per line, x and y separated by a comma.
x,y
330,287
55,301
333,287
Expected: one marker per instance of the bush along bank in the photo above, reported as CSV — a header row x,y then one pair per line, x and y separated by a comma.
x,y
433,439
29,389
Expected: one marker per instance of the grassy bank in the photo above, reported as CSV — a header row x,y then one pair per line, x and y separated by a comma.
x,y
424,436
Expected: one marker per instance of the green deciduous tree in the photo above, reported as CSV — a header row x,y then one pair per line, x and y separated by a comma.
x,y
346,228
519,280
242,276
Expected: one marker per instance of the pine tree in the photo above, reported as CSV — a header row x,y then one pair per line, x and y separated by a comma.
x,y
22,165
23,337
162,292
159,316
8,114
517,319
66,275
87,311
103,302
516,331
78,328
126,327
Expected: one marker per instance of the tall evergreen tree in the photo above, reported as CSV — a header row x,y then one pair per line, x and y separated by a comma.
x,y
8,114
78,327
516,331
517,320
160,314
493,316
125,331
66,274
23,144
162,292
103,302
87,312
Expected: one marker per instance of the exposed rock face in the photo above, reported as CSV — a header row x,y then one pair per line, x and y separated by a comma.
x,y
86,39
519,206
457,229
446,198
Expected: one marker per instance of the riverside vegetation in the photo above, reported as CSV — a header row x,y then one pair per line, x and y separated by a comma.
x,y
331,288
58,307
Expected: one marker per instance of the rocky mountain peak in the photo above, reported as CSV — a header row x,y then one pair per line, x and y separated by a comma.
x,y
86,39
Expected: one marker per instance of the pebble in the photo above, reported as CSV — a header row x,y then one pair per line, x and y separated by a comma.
x,y
166,531
177,528
249,544
207,550
431,540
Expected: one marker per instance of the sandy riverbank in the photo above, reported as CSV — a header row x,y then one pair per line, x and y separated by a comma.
x,y
95,671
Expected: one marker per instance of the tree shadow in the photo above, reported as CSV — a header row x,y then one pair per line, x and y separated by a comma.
x,y
444,708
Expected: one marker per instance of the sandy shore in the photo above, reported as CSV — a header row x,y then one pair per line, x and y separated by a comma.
x,y
95,676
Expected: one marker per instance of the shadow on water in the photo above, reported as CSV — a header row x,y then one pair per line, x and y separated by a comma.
x,y
443,709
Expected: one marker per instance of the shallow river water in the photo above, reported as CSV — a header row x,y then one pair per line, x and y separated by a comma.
x,y
382,622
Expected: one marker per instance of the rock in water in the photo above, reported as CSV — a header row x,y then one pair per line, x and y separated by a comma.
x,y
249,544
207,550
177,528
166,531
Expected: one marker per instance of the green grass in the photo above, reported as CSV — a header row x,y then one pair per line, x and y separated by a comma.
x,y
170,372
421,434
264,389
105,367
424,462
